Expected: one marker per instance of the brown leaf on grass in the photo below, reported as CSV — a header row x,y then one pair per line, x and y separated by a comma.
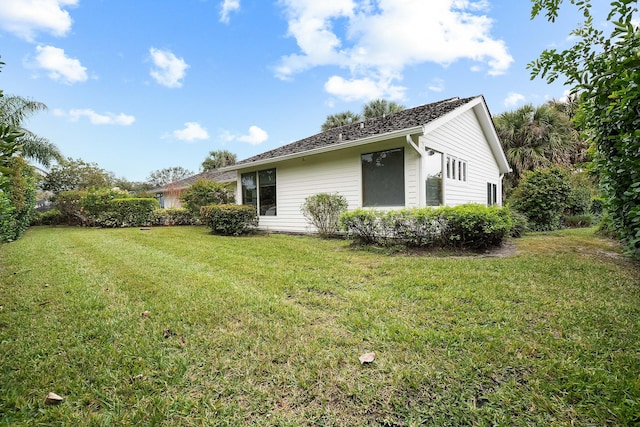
x,y
367,358
146,313
53,399
167,333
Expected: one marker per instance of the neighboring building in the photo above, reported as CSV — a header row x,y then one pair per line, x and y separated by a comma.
x,y
444,153
169,195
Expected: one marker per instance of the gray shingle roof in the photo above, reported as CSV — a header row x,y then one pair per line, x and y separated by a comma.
x,y
405,119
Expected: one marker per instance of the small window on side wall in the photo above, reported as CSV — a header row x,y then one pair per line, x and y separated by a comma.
x,y
492,194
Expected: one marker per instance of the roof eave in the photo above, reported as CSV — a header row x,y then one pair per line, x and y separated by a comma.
x,y
415,130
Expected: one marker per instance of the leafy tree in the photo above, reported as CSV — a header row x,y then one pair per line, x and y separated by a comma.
x,y
604,72
340,119
533,137
76,174
14,110
379,108
206,193
167,175
219,159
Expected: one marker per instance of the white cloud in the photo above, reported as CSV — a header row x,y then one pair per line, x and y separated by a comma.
x,y
60,67
170,70
25,18
227,7
96,118
436,85
363,89
357,36
254,137
513,99
191,132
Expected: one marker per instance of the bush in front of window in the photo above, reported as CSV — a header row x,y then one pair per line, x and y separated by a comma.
x,y
206,193
323,212
471,226
229,220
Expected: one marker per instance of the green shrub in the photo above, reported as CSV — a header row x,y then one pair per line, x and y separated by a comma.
x,y
69,203
127,212
323,211
6,218
542,196
519,223
206,193
50,217
173,216
411,227
474,226
96,205
362,225
21,194
229,220
577,221
467,226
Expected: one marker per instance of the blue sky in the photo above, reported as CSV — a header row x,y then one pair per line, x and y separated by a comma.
x,y
140,85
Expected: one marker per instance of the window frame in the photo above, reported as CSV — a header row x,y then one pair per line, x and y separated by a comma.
x,y
397,180
258,197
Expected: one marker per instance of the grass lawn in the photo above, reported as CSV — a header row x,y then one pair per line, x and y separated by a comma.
x,y
267,330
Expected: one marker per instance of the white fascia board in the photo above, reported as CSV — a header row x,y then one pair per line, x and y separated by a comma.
x,y
484,117
332,147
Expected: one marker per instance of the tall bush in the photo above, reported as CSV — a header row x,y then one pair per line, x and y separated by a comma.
x,y
22,195
323,212
69,203
6,218
542,196
206,193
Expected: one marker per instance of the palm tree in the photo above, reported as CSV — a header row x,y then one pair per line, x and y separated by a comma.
x,y
13,111
379,108
340,119
532,137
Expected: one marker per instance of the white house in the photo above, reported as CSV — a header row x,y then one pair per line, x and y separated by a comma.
x,y
444,153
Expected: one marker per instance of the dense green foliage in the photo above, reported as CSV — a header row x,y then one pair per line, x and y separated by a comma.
x,y
229,220
206,193
127,212
219,159
76,174
533,137
105,208
6,218
22,194
604,71
49,217
543,196
323,211
173,216
470,226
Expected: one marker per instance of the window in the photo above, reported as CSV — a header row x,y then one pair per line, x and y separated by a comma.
x,y
456,169
433,181
259,190
383,178
492,194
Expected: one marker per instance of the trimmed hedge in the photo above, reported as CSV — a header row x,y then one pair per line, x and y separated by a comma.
x,y
7,232
50,217
127,212
173,216
229,220
470,226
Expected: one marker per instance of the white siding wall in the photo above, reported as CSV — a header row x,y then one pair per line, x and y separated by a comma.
x,y
334,172
464,139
